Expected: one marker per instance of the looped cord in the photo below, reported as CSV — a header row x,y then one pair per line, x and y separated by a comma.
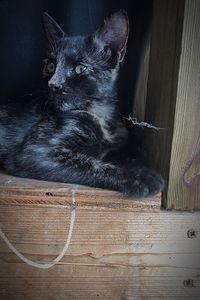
x,y
64,250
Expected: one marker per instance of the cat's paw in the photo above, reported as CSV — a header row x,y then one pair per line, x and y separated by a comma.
x,y
145,183
153,181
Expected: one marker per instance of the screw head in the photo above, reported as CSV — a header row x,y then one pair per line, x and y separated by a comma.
x,y
188,283
191,233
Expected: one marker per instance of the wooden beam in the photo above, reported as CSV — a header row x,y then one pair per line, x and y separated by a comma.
x,y
20,191
116,252
173,101
140,96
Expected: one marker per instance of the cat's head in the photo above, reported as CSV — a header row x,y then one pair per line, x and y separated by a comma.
x,y
81,68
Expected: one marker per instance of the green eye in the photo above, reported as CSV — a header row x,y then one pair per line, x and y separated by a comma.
x,y
80,69
50,67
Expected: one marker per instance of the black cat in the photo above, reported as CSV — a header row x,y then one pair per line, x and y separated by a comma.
x,y
81,123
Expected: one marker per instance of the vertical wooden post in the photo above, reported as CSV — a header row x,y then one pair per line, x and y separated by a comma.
x,y
173,101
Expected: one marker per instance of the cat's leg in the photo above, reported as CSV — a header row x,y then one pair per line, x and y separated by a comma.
x,y
72,167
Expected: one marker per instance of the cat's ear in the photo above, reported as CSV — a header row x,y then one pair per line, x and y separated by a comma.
x,y
114,33
53,31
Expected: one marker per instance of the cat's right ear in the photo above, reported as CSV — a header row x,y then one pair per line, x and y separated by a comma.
x,y
114,34
53,31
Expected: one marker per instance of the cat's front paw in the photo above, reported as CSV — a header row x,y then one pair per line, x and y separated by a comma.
x,y
153,181
145,183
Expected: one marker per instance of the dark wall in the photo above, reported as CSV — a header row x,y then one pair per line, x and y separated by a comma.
x,y
23,44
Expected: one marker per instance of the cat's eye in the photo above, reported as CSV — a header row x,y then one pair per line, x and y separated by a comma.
x,y
80,69
50,67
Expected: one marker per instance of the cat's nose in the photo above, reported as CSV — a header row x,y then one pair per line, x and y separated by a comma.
x,y
55,87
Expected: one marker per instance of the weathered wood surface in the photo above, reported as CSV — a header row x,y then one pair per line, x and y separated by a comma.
x,y
139,99
19,191
185,156
116,251
173,100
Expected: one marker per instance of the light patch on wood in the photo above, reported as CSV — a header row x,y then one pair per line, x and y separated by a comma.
x,y
192,173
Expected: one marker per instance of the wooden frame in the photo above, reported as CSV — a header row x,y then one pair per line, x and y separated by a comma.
x,y
173,101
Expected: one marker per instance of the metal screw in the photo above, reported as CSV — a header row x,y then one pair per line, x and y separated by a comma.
x,y
188,283
191,233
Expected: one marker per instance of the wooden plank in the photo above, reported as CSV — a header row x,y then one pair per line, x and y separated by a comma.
x,y
20,191
184,188
140,95
76,283
113,254
173,101
162,82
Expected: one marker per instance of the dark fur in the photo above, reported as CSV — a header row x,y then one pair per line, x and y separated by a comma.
x,y
81,123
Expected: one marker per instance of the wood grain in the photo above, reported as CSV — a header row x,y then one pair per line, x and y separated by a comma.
x,y
116,251
20,191
139,99
162,81
116,255
173,101
184,188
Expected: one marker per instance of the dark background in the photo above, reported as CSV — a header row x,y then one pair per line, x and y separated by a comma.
x,y
22,44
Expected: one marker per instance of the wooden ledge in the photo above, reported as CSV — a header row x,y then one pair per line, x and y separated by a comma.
x,y
120,247
20,191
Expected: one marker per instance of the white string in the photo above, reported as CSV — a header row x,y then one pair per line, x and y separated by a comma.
x,y
64,250
134,121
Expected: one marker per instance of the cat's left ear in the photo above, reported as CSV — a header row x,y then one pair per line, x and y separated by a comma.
x,y
114,34
53,31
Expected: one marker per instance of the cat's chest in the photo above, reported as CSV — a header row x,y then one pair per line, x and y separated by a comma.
x,y
112,130
102,114
107,132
